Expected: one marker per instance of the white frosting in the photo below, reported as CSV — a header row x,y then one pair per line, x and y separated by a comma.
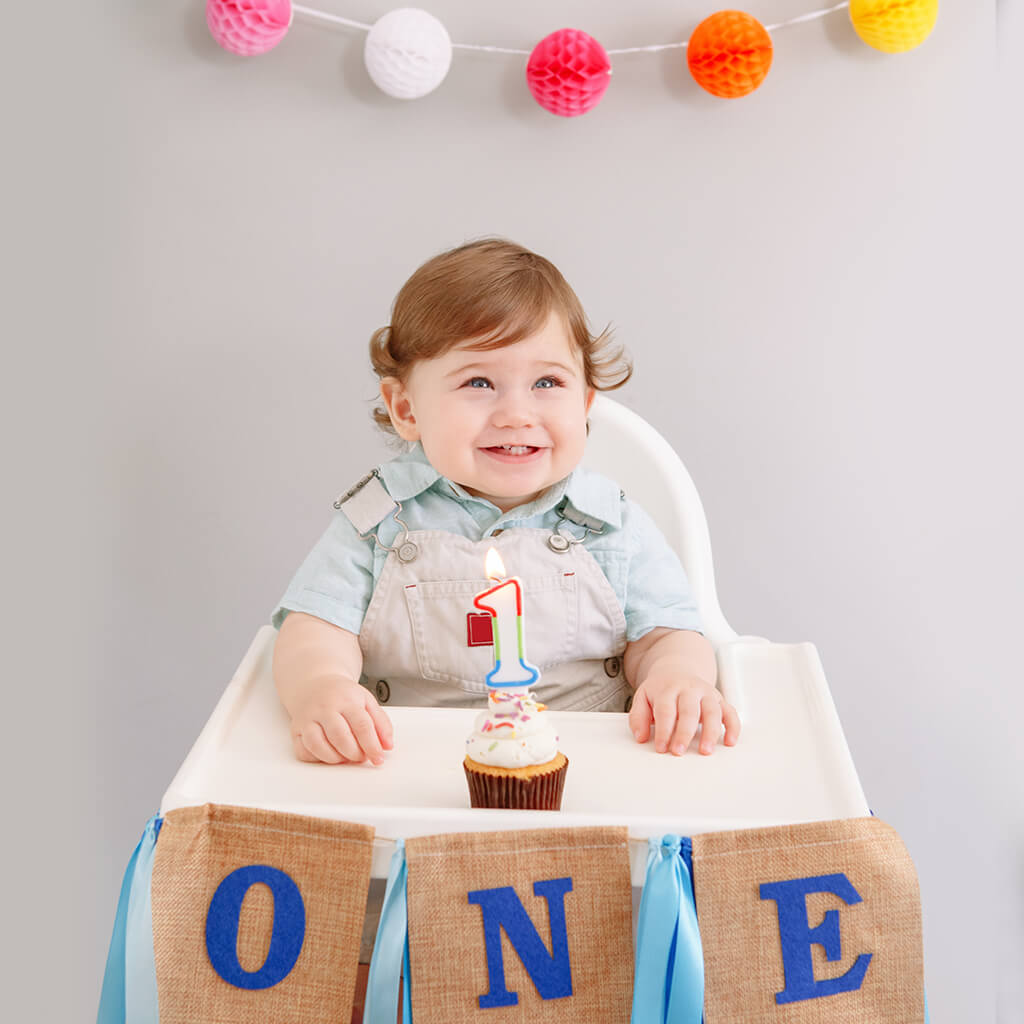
x,y
513,732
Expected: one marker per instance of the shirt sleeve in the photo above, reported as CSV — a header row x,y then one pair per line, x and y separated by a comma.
x,y
657,590
335,582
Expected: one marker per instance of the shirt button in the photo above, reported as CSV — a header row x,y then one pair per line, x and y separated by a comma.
x,y
627,707
612,666
383,691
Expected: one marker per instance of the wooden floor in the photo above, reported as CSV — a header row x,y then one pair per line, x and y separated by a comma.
x,y
359,1000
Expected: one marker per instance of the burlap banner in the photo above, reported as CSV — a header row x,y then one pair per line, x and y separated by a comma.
x,y
809,924
520,926
257,916
239,916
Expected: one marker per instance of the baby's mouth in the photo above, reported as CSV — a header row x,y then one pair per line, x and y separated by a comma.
x,y
513,452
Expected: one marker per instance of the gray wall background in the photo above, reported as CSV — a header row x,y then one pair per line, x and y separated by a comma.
x,y
816,284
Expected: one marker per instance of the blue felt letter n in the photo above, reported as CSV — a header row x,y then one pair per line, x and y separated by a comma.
x,y
550,972
798,936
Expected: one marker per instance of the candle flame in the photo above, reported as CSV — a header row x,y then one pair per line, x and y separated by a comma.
x,y
495,566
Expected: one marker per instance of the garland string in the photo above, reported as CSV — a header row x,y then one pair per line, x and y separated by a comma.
x,y
312,12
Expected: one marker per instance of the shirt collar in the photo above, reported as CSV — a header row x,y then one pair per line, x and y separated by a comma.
x,y
595,495
592,494
408,474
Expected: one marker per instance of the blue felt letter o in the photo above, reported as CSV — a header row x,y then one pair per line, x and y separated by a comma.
x,y
289,927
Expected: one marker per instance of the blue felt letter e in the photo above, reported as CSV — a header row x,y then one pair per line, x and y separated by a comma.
x,y
550,972
797,937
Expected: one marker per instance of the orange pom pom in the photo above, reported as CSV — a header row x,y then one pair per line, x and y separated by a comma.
x,y
729,54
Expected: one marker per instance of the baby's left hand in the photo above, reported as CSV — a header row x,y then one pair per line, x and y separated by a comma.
x,y
677,704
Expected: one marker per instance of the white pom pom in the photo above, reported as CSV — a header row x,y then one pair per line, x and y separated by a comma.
x,y
408,53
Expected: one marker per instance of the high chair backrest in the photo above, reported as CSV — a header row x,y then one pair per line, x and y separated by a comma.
x,y
625,447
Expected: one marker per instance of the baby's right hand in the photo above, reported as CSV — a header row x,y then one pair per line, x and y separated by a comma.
x,y
338,721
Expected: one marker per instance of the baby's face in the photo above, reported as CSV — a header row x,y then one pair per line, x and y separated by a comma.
x,y
503,423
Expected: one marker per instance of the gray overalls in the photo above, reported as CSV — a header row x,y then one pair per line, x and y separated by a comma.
x,y
420,647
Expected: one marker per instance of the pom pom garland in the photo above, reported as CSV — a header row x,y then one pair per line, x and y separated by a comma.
x,y
568,72
894,26
729,54
408,53
248,27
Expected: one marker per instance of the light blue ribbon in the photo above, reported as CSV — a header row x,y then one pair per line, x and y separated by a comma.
x,y
668,984
390,951
129,983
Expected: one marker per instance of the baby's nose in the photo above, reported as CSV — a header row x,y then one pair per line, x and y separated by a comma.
x,y
514,411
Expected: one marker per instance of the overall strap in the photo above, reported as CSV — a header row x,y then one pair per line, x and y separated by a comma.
x,y
567,513
566,510
366,505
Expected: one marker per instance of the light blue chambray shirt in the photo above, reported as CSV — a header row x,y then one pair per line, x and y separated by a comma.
x,y
336,580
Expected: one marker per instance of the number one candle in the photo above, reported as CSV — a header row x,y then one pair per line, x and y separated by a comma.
x,y
505,603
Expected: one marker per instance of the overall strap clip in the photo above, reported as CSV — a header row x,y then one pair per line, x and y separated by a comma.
x,y
566,513
367,504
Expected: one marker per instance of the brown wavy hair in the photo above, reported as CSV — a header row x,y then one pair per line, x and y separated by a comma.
x,y
498,293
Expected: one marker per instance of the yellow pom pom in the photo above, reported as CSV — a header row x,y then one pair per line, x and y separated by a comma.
x,y
894,26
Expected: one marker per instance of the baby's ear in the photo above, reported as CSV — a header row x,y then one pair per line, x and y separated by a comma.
x,y
399,407
588,400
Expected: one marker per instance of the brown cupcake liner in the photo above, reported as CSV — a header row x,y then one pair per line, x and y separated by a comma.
x,y
541,792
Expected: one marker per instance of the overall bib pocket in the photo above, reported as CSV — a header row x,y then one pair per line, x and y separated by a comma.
x,y
439,614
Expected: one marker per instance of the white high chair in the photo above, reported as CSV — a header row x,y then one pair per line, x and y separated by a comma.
x,y
791,764
625,447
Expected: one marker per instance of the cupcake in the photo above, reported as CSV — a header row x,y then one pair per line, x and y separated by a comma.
x,y
512,758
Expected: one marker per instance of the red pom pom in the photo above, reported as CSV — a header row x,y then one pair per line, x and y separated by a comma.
x,y
568,72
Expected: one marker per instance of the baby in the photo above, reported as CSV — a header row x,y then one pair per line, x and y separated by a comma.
x,y
488,370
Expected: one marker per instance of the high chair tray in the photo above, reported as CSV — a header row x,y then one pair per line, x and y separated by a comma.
x,y
790,765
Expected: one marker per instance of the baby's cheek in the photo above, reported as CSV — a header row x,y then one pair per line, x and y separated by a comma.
x,y
571,447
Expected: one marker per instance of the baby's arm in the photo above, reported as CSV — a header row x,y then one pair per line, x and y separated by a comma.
x,y
316,671
673,672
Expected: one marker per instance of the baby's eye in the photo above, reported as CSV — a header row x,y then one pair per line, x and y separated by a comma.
x,y
548,382
477,382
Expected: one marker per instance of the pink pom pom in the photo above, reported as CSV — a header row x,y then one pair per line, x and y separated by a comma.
x,y
568,72
248,27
